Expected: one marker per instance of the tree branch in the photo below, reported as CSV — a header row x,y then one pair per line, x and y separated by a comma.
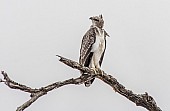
x,y
36,93
143,100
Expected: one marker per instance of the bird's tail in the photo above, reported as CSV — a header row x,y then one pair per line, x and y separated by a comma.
x,y
88,83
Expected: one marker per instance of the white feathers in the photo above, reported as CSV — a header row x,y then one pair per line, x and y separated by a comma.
x,y
98,49
96,44
100,40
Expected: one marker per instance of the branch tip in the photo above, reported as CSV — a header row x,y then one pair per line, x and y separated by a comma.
x,y
1,80
59,57
2,72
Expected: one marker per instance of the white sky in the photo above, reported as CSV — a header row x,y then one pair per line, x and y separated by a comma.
x,y
32,32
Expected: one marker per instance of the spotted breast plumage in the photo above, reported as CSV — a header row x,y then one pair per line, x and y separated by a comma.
x,y
93,46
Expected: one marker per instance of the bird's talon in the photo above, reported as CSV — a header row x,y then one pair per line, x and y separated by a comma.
x,y
94,69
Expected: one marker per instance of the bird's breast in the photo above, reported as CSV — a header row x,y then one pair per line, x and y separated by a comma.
x,y
99,42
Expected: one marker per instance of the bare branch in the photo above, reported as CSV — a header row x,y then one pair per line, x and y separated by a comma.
x,y
15,85
36,93
29,102
143,100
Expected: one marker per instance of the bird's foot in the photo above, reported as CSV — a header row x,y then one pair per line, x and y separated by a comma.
x,y
94,69
97,71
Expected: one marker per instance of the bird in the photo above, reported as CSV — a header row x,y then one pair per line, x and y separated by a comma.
x,y
93,46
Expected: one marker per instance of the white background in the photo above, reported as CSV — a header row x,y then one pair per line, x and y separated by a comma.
x,y
32,32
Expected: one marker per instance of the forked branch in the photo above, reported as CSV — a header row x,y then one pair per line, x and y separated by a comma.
x,y
143,100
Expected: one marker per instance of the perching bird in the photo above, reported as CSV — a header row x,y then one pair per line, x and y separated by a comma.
x,y
93,46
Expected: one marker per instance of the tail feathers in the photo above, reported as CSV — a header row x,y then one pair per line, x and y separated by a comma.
x,y
88,83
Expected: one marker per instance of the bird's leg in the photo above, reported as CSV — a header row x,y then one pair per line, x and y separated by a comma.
x,y
99,69
92,66
100,72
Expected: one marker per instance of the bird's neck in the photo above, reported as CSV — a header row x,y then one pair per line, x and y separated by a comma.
x,y
94,26
99,31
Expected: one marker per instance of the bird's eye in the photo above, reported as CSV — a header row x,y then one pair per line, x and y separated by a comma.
x,y
96,20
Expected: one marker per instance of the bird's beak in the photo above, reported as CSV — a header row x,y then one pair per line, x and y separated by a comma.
x,y
91,18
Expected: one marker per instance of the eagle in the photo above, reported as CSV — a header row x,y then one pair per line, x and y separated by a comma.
x,y
93,46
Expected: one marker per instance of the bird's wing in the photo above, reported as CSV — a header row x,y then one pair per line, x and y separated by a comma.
x,y
86,46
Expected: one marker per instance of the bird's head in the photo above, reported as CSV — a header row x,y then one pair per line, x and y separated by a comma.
x,y
97,21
